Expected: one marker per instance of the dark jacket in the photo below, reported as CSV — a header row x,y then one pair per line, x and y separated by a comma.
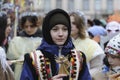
x,y
50,51
38,33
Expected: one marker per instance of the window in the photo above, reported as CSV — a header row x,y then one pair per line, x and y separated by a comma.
x,y
98,5
70,5
110,5
86,4
58,3
47,5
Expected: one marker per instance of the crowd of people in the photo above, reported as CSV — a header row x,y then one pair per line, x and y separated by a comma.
x,y
58,46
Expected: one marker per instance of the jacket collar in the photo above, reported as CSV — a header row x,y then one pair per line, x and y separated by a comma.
x,y
54,49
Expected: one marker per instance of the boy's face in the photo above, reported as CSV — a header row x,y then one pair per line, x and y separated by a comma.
x,y
114,60
29,28
59,34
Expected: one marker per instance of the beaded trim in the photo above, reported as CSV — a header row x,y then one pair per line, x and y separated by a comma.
x,y
75,65
43,65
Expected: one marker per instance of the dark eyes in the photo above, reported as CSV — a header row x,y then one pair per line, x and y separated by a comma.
x,y
55,29
109,30
58,28
29,26
65,29
117,30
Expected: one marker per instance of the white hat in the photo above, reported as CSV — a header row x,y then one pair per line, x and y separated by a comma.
x,y
113,46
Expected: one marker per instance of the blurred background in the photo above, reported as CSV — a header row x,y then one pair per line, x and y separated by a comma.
x,y
92,8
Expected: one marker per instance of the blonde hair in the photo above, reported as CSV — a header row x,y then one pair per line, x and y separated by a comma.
x,y
79,24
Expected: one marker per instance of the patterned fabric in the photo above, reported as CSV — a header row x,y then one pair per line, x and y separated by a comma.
x,y
29,71
113,46
38,67
50,51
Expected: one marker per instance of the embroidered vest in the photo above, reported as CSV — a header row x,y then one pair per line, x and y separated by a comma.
x,y
68,65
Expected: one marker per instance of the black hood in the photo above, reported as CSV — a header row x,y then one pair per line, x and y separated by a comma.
x,y
54,17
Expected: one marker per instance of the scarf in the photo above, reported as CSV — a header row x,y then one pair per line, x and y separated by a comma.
x,y
54,49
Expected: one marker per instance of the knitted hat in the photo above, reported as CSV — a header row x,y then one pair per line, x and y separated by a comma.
x,y
54,17
113,46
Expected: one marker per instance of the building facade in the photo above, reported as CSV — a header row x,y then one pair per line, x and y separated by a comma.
x,y
92,8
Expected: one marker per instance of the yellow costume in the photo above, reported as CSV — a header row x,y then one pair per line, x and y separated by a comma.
x,y
93,51
20,46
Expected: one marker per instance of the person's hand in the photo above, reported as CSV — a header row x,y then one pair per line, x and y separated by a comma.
x,y
58,77
9,62
114,76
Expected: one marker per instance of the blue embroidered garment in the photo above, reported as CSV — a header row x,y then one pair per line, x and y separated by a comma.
x,y
54,49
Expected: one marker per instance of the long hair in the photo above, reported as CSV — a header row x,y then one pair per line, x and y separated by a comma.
x,y
79,24
3,25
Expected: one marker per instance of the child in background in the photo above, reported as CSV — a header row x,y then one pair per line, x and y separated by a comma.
x,y
28,40
112,60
